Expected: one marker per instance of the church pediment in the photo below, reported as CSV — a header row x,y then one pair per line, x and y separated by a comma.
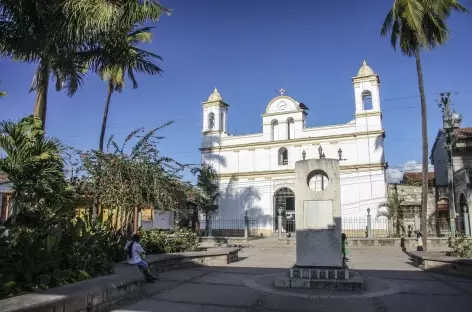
x,y
281,104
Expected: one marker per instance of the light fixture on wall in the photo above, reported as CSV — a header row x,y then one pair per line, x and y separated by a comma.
x,y
320,151
340,154
303,154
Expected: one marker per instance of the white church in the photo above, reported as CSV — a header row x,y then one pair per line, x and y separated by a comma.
x,y
257,170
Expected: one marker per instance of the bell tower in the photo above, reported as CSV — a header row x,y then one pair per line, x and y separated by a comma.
x,y
366,89
215,113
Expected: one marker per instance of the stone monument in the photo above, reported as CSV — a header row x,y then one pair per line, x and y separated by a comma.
x,y
319,261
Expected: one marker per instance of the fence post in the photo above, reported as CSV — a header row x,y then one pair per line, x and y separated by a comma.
x,y
466,222
209,225
246,225
369,224
279,221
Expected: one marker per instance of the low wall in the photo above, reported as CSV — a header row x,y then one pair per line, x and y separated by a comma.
x,y
399,242
221,241
439,262
104,293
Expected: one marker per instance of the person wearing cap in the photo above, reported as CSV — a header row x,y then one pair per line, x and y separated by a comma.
x,y
135,253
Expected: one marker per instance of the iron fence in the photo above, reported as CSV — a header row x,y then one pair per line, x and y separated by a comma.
x,y
357,227
440,227
230,227
353,227
288,226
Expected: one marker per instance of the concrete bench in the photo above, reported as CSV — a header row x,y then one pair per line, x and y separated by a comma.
x,y
439,262
103,293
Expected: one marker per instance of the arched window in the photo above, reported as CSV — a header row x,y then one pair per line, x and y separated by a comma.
x,y
283,156
318,181
274,130
211,120
290,129
366,100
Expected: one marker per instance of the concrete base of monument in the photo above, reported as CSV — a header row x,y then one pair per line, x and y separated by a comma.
x,y
321,278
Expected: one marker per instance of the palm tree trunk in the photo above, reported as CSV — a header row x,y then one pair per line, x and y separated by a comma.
x,y
40,105
424,137
105,116
97,204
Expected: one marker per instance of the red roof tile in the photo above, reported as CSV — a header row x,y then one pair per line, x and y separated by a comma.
x,y
418,176
463,132
3,178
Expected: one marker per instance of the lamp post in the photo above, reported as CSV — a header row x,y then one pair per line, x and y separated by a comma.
x,y
340,154
451,121
320,151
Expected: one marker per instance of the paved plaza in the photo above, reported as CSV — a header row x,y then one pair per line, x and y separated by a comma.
x,y
392,285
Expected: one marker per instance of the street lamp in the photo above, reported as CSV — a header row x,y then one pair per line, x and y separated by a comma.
x,y
320,151
303,154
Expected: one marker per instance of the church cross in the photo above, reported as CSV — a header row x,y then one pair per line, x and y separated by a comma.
x,y
281,91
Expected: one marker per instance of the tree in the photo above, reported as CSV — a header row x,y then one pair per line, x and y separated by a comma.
x,y
393,212
208,190
56,35
415,25
133,178
34,167
120,57
3,94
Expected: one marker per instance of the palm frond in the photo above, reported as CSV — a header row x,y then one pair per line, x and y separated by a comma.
x,y
417,24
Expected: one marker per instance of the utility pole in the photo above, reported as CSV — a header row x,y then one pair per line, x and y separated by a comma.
x,y
451,121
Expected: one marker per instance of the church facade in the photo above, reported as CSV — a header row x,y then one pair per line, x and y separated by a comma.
x,y
256,171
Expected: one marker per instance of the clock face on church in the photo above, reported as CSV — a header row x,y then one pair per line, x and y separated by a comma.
x,y
282,105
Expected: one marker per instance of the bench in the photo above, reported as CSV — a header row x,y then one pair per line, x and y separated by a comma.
x,y
439,262
105,292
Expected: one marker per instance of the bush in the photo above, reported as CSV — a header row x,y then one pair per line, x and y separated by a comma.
x,y
462,247
34,259
158,241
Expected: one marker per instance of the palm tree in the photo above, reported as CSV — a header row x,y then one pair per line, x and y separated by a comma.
x,y
415,25
56,34
3,94
208,191
33,164
120,57
393,213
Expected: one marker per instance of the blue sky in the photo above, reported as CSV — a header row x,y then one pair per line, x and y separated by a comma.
x,y
249,48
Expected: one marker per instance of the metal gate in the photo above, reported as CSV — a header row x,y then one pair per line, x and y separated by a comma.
x,y
284,204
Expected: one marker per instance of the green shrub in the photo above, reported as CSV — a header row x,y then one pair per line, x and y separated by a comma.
x,y
34,259
462,247
158,241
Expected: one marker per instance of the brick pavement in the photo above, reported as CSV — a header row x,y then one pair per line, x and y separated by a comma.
x,y
393,285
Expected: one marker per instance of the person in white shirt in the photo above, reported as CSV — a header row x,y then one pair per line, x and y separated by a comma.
x,y
135,250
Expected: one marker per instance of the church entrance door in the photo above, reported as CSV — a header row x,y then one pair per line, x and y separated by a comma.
x,y
284,200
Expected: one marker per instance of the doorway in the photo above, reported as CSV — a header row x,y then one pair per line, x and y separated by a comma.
x,y
284,201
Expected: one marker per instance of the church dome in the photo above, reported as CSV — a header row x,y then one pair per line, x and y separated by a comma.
x,y
365,70
215,96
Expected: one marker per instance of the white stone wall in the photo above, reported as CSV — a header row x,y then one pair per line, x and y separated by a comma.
x,y
362,150
359,191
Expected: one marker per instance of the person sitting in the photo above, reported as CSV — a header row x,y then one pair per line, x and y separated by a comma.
x,y
135,253
344,247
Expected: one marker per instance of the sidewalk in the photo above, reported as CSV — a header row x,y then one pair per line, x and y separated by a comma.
x,y
237,286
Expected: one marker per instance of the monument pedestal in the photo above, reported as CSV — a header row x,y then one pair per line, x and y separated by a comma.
x,y
321,278
319,262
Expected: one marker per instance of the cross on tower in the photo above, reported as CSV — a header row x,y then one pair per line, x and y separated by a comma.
x,y
281,91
